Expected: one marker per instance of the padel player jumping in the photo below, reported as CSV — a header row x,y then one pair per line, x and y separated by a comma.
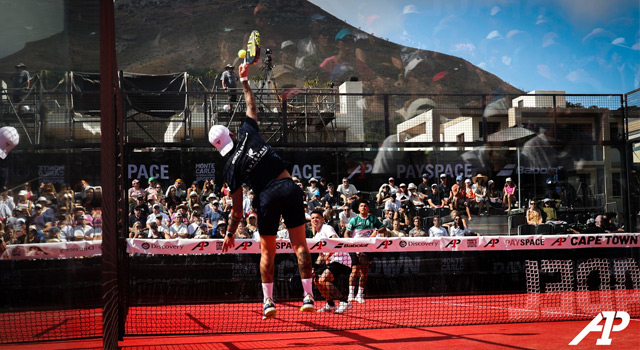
x,y
255,163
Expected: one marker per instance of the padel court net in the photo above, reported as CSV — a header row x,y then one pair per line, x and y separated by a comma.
x,y
190,287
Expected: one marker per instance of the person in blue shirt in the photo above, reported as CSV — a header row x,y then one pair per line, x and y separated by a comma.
x,y
251,161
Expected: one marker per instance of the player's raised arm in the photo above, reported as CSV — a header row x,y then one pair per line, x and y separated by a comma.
x,y
250,99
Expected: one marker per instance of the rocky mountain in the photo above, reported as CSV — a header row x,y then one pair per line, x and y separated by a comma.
x,y
202,36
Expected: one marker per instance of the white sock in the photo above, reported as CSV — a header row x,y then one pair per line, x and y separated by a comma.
x,y
361,291
307,285
267,291
352,290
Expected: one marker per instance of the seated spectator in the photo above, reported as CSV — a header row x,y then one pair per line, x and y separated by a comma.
x,y
283,232
424,188
417,230
53,235
589,228
396,230
332,197
405,218
82,230
136,191
346,190
316,201
345,216
133,218
534,216
171,199
155,211
469,194
137,231
509,192
383,195
220,230
435,197
458,198
33,235
392,187
393,204
312,189
161,231
66,228
97,225
402,193
197,229
177,229
154,232
437,230
458,228
252,224
243,232
387,221
330,218
193,200
549,212
494,195
607,223
480,192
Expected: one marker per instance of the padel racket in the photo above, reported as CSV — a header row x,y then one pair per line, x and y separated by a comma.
x,y
253,48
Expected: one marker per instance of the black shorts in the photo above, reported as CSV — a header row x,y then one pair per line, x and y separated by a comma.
x,y
282,197
337,269
233,95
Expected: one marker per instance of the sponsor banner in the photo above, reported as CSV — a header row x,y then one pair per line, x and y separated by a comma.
x,y
52,250
377,244
395,244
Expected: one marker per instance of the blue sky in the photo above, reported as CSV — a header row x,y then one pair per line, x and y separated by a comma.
x,y
580,46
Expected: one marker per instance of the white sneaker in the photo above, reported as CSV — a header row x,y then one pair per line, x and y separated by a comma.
x,y
327,308
343,307
359,298
351,298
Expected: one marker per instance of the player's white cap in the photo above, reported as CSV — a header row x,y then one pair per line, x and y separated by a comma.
x,y
9,139
220,139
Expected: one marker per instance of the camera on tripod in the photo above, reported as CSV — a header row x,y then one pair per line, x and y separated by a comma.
x,y
267,63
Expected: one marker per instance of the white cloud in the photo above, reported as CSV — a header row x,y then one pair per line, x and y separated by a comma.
x,y
513,32
494,35
598,32
549,39
410,9
544,71
495,10
482,65
577,75
464,48
541,19
506,60
636,46
618,41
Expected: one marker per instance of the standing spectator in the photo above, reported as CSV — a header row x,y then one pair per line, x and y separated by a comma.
x,y
437,230
332,266
363,225
346,190
21,82
229,81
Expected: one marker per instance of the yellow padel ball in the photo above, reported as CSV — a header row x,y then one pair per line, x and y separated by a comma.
x,y
242,53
